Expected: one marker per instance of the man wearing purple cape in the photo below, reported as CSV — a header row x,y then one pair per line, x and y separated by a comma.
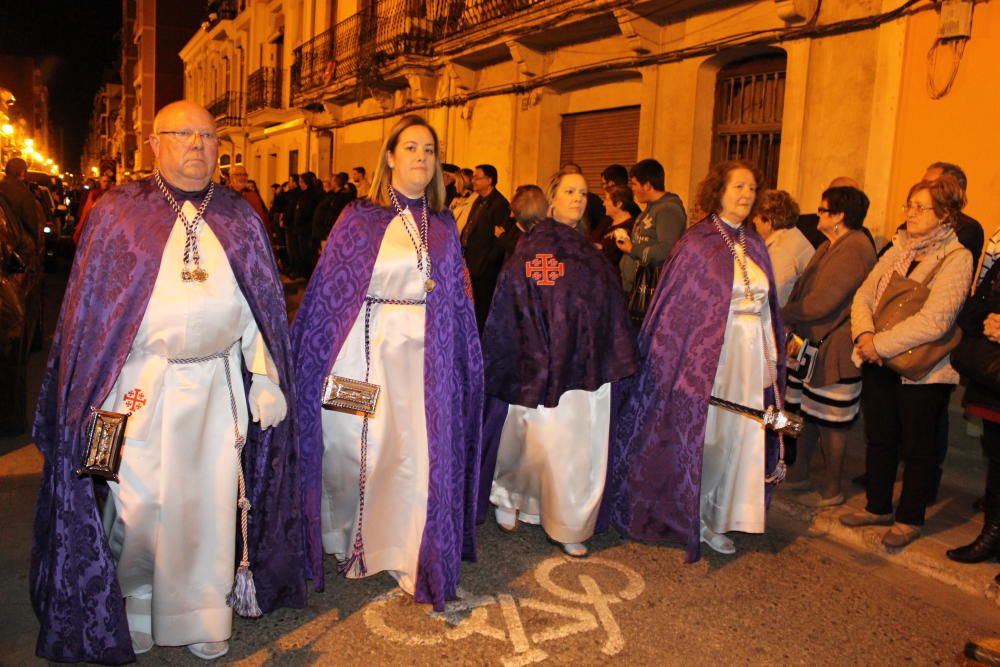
x,y
174,313
392,488
686,471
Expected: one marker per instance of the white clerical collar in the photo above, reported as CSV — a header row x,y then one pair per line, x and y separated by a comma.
x,y
731,224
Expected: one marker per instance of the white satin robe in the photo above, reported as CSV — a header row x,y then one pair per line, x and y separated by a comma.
x,y
552,463
732,478
398,467
172,525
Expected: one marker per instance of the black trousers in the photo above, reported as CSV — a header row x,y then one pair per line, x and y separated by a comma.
x,y
901,424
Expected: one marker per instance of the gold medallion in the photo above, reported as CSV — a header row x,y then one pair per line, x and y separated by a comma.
x,y
429,285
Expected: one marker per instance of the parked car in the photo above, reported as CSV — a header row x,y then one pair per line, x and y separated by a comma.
x,y
20,317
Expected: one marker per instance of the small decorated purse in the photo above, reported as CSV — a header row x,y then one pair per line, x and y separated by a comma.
x,y
105,437
347,395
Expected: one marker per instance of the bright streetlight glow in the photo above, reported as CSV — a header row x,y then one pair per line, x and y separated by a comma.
x,y
7,129
30,143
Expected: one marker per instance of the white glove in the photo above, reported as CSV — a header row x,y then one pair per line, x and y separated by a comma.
x,y
266,402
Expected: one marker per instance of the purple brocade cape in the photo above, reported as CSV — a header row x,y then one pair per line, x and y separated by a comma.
x,y
453,386
658,427
542,340
74,586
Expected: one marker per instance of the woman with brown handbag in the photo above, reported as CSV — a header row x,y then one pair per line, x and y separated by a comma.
x,y
907,374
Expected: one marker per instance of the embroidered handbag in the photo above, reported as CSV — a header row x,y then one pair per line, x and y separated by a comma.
x,y
902,299
105,437
347,395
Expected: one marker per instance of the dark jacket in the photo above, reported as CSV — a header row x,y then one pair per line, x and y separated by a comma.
x,y
305,207
328,210
985,301
24,204
819,307
483,254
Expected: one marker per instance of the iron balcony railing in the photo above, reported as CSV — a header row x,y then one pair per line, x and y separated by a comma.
x,y
224,9
459,15
388,29
264,89
227,109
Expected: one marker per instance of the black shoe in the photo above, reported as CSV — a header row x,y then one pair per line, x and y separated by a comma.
x,y
984,547
979,504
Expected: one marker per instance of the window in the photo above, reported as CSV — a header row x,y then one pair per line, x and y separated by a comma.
x,y
293,162
596,140
749,101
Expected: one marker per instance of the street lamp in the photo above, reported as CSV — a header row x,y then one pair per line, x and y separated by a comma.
x,y
7,129
29,143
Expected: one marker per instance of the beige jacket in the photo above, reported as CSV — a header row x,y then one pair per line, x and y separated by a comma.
x,y
948,291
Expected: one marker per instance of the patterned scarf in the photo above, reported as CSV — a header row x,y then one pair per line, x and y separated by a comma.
x,y
914,248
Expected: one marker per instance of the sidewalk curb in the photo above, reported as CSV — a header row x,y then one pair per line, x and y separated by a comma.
x,y
976,580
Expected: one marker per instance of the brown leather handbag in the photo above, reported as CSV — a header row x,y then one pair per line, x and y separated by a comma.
x,y
903,298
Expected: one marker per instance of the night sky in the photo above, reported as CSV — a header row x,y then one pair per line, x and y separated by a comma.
x,y
74,42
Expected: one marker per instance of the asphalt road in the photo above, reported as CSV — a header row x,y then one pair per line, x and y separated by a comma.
x,y
782,599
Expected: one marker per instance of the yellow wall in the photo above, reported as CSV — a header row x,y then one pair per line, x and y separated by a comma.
x,y
958,128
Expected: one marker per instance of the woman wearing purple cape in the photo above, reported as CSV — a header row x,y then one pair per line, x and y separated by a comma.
x,y
390,370
686,470
557,338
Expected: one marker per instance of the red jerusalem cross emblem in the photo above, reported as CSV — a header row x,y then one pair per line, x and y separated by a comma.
x,y
134,399
544,269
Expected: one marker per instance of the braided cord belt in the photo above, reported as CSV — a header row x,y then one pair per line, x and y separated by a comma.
x,y
355,563
243,503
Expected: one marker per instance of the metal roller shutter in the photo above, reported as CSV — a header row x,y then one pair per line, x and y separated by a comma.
x,y
596,139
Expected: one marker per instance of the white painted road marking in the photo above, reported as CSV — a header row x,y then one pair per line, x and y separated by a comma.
x,y
591,610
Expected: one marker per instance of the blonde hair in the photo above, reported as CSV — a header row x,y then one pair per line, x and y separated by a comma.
x,y
556,181
382,178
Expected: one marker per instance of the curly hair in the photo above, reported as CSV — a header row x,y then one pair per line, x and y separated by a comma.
x,y
947,197
709,197
778,207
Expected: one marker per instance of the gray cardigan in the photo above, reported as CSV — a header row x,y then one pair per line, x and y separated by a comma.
x,y
820,303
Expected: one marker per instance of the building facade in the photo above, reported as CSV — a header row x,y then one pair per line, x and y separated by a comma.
x,y
27,108
100,147
810,91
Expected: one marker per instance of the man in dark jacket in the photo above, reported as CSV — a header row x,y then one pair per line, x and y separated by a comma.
x,y
483,255
330,206
302,216
20,197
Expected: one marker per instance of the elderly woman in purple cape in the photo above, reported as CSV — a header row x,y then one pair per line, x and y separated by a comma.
x,y
391,486
557,337
686,470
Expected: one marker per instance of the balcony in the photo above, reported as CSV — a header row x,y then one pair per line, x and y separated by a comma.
x,y
476,13
264,90
222,10
227,109
334,60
